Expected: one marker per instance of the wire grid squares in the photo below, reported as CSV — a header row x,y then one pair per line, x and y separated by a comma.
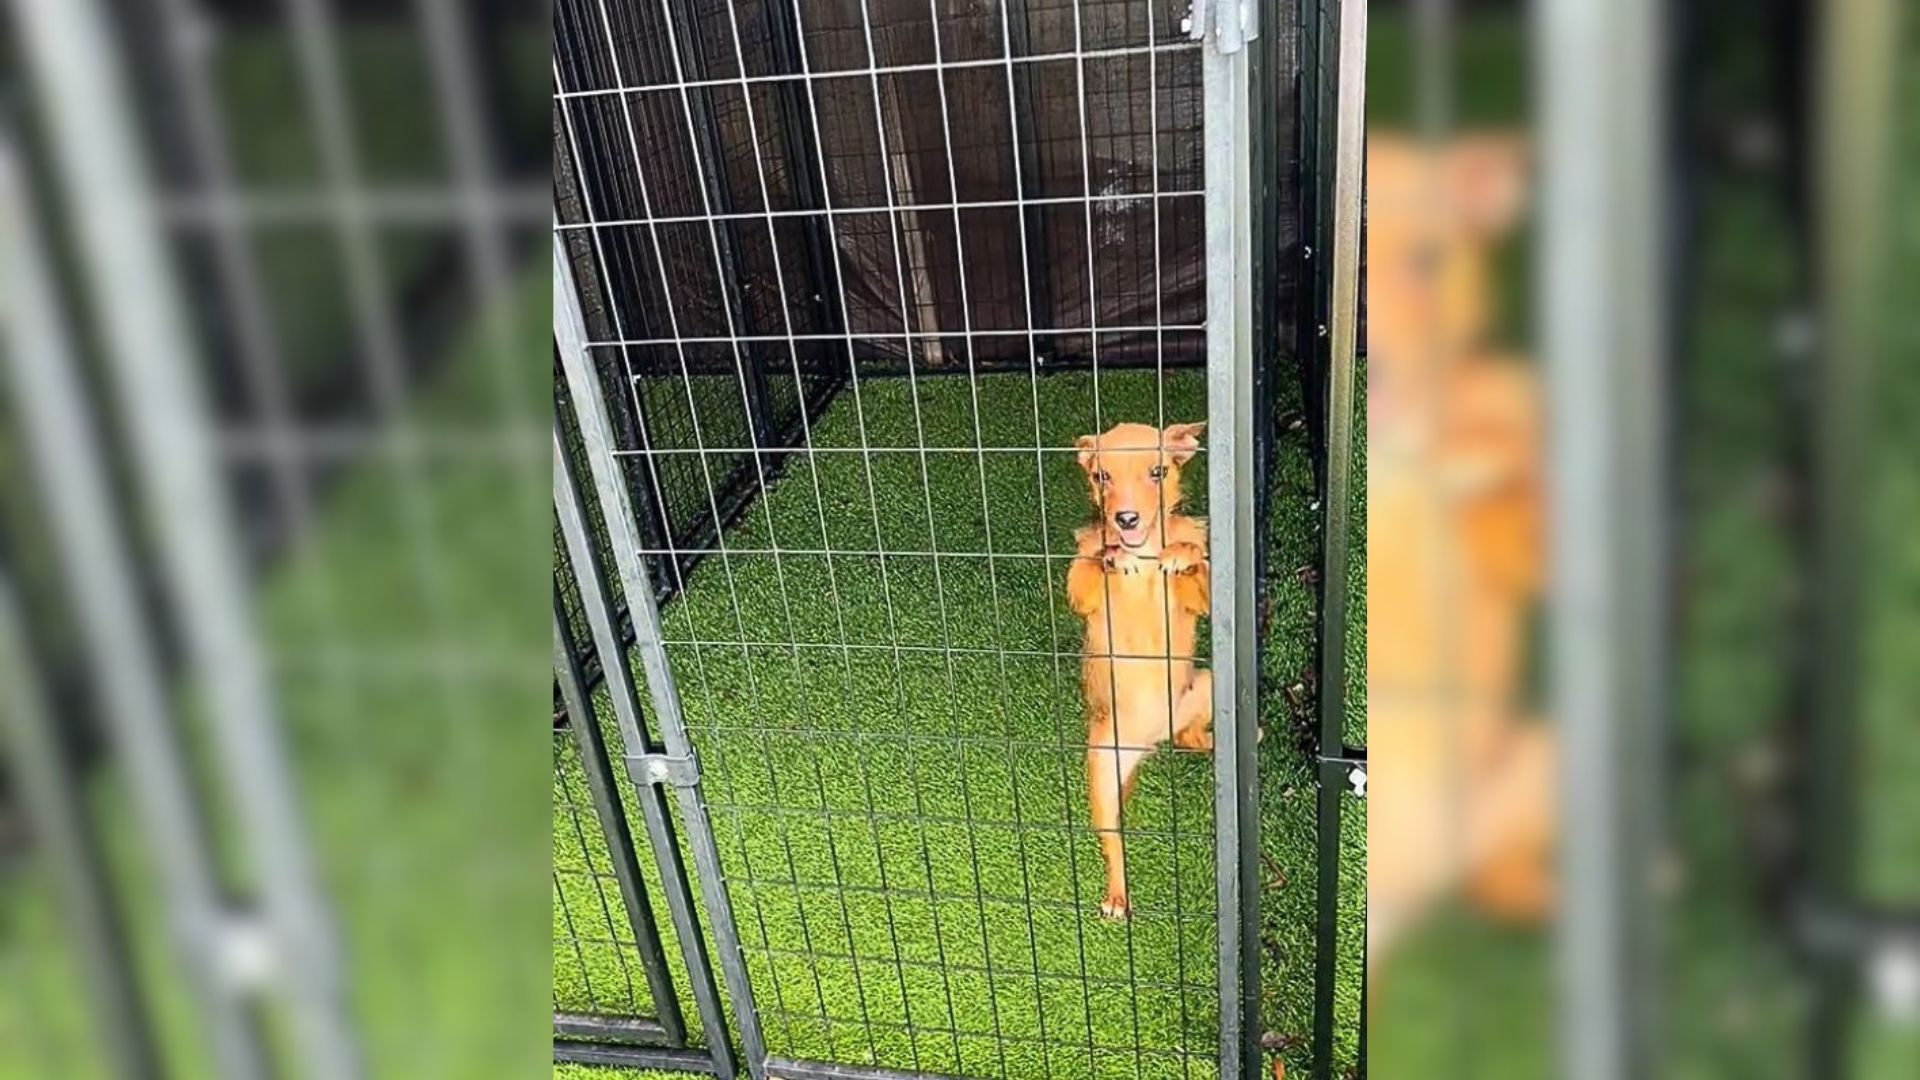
x,y
596,967
871,644
351,222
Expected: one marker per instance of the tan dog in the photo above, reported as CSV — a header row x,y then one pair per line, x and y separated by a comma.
x,y
1462,786
1140,580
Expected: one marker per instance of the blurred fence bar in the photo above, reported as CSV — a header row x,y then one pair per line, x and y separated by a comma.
x,y
1854,65
97,152
65,449
60,823
1602,294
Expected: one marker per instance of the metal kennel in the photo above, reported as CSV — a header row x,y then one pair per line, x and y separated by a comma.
x,y
835,286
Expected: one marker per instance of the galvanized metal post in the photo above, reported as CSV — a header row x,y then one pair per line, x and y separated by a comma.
x,y
1232,473
1602,290
569,330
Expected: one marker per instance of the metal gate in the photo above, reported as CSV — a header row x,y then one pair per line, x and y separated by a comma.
x,y
836,288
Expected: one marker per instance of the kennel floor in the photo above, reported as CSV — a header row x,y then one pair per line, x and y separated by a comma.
x,y
892,744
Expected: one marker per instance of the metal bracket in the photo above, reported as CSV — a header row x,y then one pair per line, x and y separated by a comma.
x,y
1881,945
1350,765
242,950
664,770
1229,23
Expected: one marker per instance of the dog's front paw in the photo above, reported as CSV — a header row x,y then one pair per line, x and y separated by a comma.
x,y
1181,558
1121,561
1115,906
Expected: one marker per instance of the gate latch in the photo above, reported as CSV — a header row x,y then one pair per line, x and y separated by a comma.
x,y
664,769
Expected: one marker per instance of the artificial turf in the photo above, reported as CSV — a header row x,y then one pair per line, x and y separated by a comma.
x,y
895,759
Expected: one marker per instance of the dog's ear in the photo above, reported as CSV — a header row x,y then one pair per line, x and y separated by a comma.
x,y
1486,180
1182,441
1086,443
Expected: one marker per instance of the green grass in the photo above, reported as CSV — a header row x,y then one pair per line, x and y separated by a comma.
x,y
904,832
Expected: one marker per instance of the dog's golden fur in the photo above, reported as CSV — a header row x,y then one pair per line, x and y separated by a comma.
x,y
1462,784
1140,580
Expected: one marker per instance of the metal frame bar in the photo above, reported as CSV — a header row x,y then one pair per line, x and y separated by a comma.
x,y
40,362
792,1069
666,1059
1349,168
1853,101
62,830
150,354
65,450
633,1030
1602,297
803,157
611,646
690,68
1310,305
1231,480
610,487
613,825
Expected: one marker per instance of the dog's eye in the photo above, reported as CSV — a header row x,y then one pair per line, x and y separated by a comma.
x,y
1100,477
1158,472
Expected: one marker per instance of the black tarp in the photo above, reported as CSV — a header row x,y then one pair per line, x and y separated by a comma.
x,y
1016,138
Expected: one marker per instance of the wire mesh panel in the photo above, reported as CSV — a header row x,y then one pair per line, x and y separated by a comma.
x,y
788,225
611,977
299,230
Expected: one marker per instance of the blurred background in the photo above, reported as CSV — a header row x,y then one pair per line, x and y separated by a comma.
x,y
1642,488
274,538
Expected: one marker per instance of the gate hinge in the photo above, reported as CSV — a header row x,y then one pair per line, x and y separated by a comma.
x,y
1229,24
664,769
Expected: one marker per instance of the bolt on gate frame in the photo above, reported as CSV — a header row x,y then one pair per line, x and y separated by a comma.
x,y
757,238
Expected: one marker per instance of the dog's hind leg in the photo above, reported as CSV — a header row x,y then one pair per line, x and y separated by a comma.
x,y
1111,767
1193,714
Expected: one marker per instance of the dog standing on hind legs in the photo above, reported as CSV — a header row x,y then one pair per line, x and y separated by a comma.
x,y
1140,580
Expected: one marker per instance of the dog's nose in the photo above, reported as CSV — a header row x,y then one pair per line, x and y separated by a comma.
x,y
1127,519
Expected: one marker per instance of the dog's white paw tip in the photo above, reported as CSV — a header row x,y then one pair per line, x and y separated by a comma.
x,y
1114,909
